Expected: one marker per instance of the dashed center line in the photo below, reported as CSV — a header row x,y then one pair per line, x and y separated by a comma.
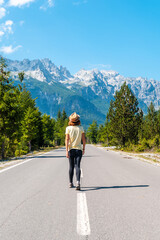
x,y
81,173
83,225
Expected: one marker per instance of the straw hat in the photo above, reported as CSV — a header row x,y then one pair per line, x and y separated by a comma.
x,y
74,117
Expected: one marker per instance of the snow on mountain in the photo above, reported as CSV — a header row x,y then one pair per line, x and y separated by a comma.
x,y
42,70
111,81
89,83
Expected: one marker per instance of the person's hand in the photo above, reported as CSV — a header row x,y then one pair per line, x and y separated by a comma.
x,y
83,152
67,155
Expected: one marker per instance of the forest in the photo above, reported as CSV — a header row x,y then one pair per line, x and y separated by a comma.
x,y
23,128
126,127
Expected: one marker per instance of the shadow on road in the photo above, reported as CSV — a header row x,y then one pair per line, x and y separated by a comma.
x,y
55,156
85,189
51,156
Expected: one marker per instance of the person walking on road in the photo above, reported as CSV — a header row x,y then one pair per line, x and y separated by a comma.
x,y
74,149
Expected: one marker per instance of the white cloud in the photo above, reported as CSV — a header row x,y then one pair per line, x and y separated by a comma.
x,y
9,23
19,3
2,12
1,2
49,3
1,34
6,27
9,49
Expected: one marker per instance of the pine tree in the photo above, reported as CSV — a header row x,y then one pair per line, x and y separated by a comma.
x,y
9,108
124,116
30,126
158,121
100,134
60,125
141,125
151,126
48,128
22,128
59,114
64,115
92,132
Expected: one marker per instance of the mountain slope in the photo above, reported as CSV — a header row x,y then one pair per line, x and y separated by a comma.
x,y
88,92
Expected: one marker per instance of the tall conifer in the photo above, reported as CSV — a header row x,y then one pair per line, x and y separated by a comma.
x,y
124,116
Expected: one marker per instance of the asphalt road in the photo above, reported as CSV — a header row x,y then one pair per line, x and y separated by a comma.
x,y
119,199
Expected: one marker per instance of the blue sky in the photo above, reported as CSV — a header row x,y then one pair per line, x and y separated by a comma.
x,y
122,35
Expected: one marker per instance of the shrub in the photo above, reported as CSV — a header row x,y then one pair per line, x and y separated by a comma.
x,y
155,141
139,148
145,144
23,152
20,152
17,153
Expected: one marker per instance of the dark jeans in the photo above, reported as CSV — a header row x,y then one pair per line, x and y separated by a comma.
x,y
75,156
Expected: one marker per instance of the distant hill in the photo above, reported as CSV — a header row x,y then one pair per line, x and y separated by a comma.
x,y
88,92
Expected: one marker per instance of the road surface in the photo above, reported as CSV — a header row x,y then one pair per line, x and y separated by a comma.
x,y
119,199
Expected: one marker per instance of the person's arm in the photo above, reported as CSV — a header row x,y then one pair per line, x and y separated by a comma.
x,y
84,142
67,143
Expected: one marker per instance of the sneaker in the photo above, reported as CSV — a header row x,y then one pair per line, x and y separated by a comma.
x,y
78,187
71,185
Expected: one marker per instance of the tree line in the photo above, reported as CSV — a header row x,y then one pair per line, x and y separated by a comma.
x,y
126,126
23,128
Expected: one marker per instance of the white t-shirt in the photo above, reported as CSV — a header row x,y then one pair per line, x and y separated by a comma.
x,y
75,135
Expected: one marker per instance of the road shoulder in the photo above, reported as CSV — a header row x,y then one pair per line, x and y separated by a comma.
x,y
152,158
16,160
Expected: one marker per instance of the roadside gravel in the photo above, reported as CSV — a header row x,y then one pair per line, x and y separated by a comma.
x,y
153,158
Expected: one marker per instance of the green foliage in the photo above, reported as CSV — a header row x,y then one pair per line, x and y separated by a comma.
x,y
139,148
48,129
19,153
124,116
9,108
22,126
92,132
156,141
151,123
145,144
125,125
60,126
30,126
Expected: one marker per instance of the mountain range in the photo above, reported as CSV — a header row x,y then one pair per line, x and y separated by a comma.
x,y
88,92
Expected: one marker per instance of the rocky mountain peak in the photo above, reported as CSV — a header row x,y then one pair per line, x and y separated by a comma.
x,y
91,84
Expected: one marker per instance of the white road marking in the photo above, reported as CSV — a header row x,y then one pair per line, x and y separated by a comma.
x,y
83,226
81,173
25,161
8,168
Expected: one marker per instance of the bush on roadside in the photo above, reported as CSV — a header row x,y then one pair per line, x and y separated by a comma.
x,y
142,146
20,152
154,142
145,144
139,148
